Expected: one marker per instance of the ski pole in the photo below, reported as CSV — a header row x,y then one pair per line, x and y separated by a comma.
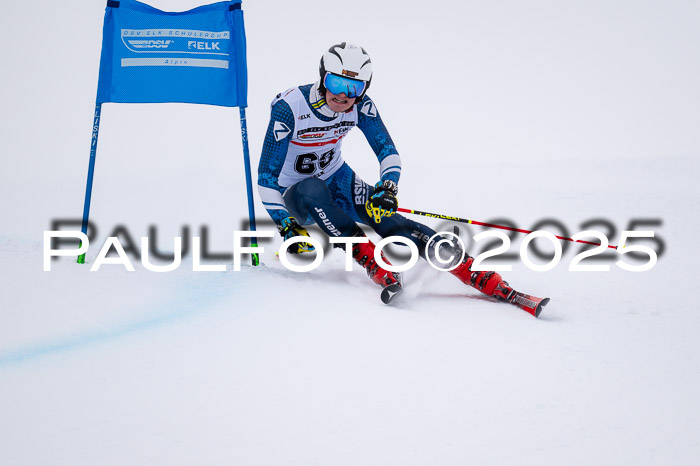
x,y
490,225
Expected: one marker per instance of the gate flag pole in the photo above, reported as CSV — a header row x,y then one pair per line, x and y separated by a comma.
x,y
249,183
91,172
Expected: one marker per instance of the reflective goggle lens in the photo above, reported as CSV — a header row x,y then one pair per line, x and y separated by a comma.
x,y
339,84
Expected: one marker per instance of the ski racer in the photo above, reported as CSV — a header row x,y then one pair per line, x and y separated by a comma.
x,y
303,179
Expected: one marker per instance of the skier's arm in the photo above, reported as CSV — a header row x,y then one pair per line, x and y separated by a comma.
x,y
371,124
272,159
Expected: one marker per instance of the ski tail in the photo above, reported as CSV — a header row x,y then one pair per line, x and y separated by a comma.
x,y
529,303
526,302
390,292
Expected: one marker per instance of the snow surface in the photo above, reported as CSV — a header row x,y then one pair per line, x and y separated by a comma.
x,y
524,110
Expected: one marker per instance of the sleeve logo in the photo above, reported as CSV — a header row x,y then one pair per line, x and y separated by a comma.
x,y
281,131
369,109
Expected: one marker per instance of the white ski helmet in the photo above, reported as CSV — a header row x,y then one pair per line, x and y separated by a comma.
x,y
348,61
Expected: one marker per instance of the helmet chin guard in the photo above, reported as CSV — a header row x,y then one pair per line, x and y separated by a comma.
x,y
349,61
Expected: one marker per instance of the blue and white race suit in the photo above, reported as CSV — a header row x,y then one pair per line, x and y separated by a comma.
x,y
302,172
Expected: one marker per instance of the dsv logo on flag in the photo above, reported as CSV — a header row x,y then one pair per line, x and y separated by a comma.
x,y
150,44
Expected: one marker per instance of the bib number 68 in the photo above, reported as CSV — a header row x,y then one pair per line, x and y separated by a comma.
x,y
308,164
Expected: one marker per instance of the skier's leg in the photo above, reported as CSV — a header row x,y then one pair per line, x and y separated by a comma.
x,y
396,225
363,253
489,283
350,193
312,198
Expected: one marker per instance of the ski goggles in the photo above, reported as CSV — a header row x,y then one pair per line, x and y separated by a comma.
x,y
339,84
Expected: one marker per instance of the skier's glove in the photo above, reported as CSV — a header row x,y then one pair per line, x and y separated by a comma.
x,y
383,202
289,228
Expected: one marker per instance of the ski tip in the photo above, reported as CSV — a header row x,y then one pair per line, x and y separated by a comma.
x,y
391,292
542,304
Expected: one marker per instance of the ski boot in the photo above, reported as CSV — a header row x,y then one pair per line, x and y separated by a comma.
x,y
488,283
491,284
